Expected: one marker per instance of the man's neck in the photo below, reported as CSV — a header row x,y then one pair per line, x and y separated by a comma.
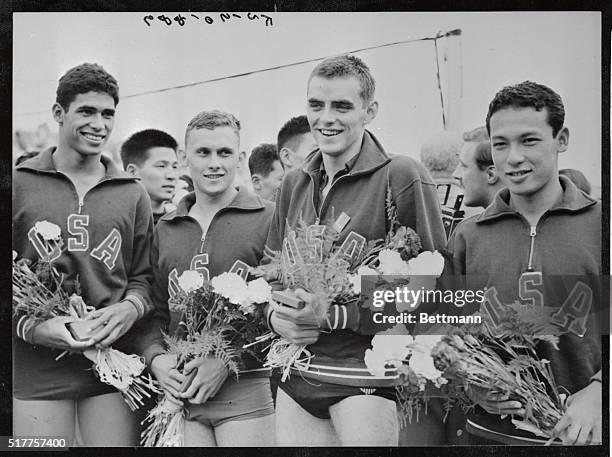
x,y
70,162
534,206
209,204
333,164
157,207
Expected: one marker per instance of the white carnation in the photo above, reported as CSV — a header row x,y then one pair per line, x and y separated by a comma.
x,y
232,287
391,263
259,291
427,264
190,280
48,230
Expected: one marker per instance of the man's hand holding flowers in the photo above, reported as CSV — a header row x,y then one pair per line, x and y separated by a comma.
x,y
170,379
581,422
495,402
111,322
298,326
54,334
210,376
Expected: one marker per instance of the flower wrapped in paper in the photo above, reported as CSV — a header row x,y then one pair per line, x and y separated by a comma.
x,y
39,295
219,318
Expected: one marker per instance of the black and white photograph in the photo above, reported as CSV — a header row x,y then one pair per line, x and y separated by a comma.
x,y
280,229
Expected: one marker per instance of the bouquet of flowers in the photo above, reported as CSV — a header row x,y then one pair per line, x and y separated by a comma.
x,y
502,359
38,294
310,259
419,379
218,319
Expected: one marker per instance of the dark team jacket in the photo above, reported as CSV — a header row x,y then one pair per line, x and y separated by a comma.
x,y
106,244
234,242
498,249
361,194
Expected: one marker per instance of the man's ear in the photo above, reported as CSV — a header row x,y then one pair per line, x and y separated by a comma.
x,y
181,156
256,181
563,139
241,158
371,112
133,169
58,113
492,177
285,157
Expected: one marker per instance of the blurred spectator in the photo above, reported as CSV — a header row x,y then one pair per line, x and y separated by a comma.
x,y
151,155
266,170
476,172
578,178
440,154
184,185
295,142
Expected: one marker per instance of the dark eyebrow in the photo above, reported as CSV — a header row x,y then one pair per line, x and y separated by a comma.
x,y
93,108
230,150
314,100
342,102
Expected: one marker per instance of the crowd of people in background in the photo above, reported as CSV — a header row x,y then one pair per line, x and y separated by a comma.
x,y
183,208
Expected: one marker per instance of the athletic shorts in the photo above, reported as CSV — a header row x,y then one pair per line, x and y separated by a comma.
x,y
316,397
38,376
248,398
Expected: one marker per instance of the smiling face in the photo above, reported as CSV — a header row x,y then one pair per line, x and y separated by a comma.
x,y
337,115
158,173
212,157
525,151
86,125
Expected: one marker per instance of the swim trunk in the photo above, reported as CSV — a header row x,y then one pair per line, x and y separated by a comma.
x,y
248,398
316,397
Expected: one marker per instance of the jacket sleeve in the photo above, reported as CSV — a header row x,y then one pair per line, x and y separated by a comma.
x,y
149,337
139,278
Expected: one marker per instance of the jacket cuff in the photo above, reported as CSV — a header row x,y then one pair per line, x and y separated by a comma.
x,y
341,317
139,303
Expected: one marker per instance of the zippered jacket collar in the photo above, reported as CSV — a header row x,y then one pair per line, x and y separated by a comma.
x,y
572,200
371,157
244,200
43,162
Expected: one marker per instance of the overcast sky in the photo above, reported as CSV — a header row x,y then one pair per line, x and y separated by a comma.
x,y
561,50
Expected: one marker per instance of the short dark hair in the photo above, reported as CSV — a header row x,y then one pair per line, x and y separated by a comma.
x,y
87,77
262,158
578,178
482,153
287,135
136,148
345,66
189,182
530,94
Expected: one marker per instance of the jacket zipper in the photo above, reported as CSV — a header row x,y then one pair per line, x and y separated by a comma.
x,y
320,211
532,235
